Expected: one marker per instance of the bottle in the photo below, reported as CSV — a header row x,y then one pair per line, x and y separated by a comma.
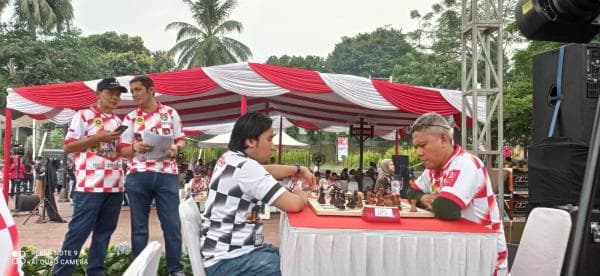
x,y
396,185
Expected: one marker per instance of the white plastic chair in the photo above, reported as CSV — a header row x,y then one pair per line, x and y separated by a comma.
x,y
191,224
543,244
145,264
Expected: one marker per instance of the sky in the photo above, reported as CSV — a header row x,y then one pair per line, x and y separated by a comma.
x,y
271,27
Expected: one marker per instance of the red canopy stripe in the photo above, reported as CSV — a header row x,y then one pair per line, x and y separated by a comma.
x,y
216,107
294,79
38,116
414,99
192,132
183,83
313,100
304,124
349,113
62,95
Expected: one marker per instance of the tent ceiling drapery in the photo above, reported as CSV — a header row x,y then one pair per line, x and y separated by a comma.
x,y
209,98
222,140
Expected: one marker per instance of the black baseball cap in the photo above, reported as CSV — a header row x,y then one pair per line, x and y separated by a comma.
x,y
112,84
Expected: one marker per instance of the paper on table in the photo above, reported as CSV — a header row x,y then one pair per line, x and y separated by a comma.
x,y
160,143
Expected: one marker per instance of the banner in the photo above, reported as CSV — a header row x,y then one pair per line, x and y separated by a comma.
x,y
342,148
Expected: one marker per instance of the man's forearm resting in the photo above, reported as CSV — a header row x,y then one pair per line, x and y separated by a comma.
x,y
446,209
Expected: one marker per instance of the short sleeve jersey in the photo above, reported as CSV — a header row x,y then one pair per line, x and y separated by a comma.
x,y
230,225
464,180
98,169
10,259
164,120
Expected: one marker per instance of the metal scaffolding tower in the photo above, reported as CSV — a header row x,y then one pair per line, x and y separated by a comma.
x,y
482,77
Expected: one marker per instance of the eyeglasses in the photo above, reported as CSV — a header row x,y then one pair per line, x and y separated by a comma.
x,y
420,126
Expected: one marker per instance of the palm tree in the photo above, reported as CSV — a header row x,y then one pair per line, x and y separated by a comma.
x,y
44,14
3,4
205,44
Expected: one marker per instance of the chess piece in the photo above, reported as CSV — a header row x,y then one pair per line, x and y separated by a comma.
x,y
321,199
371,198
388,201
413,206
398,202
332,197
351,201
341,201
380,199
359,200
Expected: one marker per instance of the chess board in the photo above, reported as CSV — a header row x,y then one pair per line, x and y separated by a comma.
x,y
330,210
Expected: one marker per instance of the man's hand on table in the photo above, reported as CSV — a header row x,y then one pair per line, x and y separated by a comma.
x,y
427,200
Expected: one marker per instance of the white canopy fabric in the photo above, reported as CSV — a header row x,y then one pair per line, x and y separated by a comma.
x,y
222,140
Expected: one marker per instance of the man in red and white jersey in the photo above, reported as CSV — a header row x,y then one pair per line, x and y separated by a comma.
x,y
151,176
455,184
98,193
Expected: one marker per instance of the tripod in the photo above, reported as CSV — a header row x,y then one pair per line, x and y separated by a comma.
x,y
42,204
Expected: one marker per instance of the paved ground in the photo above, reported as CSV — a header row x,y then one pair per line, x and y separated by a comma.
x,y
50,235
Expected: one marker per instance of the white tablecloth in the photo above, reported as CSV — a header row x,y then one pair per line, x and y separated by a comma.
x,y
311,251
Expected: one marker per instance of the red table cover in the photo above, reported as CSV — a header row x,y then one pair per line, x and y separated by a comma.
x,y
308,219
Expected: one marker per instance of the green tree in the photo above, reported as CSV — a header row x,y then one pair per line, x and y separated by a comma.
x,y
206,43
370,54
309,62
127,55
3,5
43,15
436,61
113,42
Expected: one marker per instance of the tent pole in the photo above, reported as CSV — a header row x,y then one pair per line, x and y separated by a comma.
x,y
244,106
280,137
7,135
396,146
34,131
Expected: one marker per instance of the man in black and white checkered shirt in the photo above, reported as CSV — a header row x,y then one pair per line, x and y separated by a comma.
x,y
232,239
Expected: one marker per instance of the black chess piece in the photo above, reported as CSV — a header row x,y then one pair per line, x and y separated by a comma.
x,y
332,197
351,202
321,199
341,201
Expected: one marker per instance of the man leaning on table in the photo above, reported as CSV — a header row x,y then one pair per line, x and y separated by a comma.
x,y
455,184
231,238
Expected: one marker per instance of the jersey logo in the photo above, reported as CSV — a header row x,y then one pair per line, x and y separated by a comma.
x,y
451,178
139,120
98,122
164,117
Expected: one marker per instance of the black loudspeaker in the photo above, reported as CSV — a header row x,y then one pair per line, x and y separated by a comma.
x,y
557,164
580,88
401,170
27,202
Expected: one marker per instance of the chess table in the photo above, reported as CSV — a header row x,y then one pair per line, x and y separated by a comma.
x,y
346,245
330,210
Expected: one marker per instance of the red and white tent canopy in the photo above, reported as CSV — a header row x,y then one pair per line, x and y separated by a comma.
x,y
208,99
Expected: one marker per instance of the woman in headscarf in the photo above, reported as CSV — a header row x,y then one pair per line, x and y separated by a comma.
x,y
384,180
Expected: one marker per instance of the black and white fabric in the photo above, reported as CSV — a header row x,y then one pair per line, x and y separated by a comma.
x,y
239,187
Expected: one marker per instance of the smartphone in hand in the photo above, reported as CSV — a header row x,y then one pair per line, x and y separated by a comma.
x,y
121,129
